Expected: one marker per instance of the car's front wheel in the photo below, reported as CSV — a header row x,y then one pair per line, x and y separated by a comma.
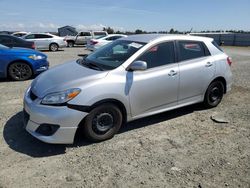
x,y
103,122
53,47
20,71
70,44
214,94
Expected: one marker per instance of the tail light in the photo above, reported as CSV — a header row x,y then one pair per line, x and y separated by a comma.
x,y
33,46
93,42
229,61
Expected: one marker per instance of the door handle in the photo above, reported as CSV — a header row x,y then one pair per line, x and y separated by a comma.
x,y
209,64
172,73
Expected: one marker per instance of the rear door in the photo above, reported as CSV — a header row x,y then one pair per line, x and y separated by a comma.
x,y
43,40
196,70
31,37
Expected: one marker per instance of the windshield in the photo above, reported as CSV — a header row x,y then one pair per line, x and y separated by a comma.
x,y
3,47
114,54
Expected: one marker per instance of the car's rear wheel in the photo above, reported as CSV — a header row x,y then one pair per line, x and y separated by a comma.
x,y
70,44
20,71
103,122
214,94
53,47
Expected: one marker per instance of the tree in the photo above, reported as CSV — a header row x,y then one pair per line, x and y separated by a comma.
x,y
171,31
109,30
138,31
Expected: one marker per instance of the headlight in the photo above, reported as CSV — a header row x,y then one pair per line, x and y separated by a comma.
x,y
36,57
60,97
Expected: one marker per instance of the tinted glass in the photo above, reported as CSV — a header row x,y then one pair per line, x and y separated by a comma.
x,y
42,36
99,33
5,40
114,54
191,50
85,34
30,36
159,55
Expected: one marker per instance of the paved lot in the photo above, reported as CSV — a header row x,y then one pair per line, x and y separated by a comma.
x,y
180,148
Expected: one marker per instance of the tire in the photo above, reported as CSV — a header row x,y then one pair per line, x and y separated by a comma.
x,y
53,47
70,44
20,71
214,94
103,122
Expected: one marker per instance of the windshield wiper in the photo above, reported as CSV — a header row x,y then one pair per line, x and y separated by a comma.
x,y
94,65
89,65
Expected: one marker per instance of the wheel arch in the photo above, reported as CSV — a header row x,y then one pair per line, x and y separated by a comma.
x,y
223,80
53,43
21,61
116,102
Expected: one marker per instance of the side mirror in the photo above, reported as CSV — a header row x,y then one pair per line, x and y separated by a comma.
x,y
137,66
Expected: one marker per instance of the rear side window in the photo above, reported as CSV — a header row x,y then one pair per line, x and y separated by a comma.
x,y
42,36
191,50
217,46
5,40
85,34
100,33
161,54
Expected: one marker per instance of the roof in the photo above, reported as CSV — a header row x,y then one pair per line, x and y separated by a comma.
x,y
67,26
146,38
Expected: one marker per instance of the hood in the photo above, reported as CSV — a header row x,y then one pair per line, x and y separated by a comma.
x,y
23,50
63,77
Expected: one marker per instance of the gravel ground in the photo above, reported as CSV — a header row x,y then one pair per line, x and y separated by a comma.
x,y
180,148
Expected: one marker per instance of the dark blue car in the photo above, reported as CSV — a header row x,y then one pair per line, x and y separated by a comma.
x,y
21,63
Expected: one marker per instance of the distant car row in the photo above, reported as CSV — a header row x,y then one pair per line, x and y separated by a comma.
x,y
94,44
19,62
39,41
46,41
82,37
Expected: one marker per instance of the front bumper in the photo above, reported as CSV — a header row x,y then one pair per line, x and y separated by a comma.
x,y
37,115
41,66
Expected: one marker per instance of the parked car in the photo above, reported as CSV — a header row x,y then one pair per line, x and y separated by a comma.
x,y
46,41
12,41
82,37
21,63
130,78
94,44
19,33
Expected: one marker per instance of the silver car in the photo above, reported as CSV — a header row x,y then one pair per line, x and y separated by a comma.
x,y
130,78
46,41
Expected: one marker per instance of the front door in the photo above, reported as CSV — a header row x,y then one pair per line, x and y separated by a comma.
x,y
156,88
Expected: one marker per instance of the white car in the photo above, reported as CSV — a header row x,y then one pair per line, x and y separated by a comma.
x,y
46,41
128,79
94,44
19,34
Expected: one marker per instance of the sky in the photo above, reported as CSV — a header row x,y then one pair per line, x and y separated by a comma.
x,y
126,15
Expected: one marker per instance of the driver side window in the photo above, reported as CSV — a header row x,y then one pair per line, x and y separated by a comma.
x,y
159,55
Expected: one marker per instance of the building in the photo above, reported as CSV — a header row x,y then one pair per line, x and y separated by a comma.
x,y
67,31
